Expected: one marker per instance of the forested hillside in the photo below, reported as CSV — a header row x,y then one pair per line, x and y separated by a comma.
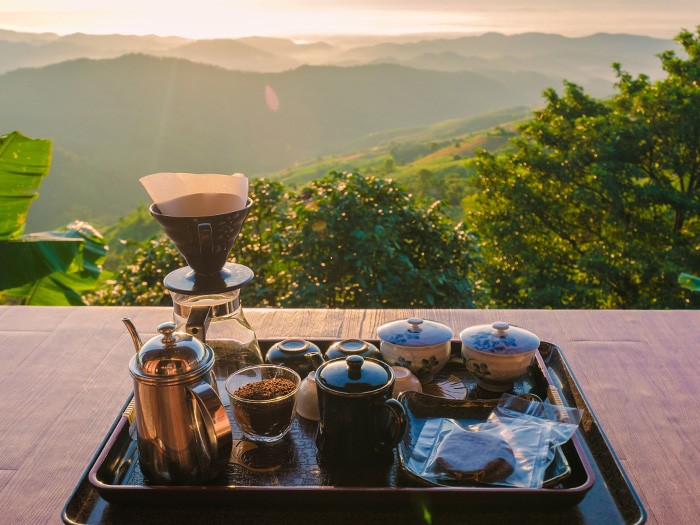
x,y
113,121
589,203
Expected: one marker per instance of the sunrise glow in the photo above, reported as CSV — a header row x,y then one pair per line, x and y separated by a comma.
x,y
216,19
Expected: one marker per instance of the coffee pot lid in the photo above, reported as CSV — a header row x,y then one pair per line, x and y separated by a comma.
x,y
353,375
171,354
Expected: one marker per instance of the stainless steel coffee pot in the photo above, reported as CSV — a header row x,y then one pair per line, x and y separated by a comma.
x,y
184,435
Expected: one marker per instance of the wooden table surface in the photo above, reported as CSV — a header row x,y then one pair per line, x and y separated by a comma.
x,y
64,377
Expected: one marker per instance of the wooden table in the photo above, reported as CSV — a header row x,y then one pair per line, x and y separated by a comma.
x,y
64,377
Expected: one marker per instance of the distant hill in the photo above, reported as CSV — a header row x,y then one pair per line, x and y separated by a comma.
x,y
434,156
585,60
113,121
18,50
200,105
442,147
232,54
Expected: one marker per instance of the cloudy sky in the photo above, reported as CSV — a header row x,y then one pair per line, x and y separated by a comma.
x,y
232,18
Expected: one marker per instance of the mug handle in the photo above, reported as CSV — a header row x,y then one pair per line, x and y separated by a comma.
x,y
398,422
218,427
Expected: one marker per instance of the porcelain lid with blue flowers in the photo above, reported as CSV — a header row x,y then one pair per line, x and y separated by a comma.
x,y
499,338
414,332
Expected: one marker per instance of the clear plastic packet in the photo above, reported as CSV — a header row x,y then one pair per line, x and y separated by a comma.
x,y
512,448
508,455
561,421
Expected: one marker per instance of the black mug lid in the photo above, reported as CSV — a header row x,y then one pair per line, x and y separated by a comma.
x,y
354,375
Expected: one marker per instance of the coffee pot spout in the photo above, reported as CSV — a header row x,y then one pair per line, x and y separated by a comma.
x,y
315,359
133,333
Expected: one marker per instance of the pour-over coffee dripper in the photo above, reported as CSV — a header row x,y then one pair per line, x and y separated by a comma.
x,y
206,293
205,242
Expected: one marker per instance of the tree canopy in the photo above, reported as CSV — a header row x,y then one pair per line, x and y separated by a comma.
x,y
345,240
357,241
597,205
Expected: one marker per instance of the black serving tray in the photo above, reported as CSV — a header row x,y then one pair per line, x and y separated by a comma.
x,y
284,482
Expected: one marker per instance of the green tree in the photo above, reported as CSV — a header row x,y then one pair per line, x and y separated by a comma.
x,y
343,241
139,280
597,205
261,244
357,241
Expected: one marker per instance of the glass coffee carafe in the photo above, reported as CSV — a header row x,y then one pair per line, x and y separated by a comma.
x,y
217,319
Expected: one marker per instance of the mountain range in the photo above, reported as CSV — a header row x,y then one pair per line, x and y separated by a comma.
x,y
119,107
580,59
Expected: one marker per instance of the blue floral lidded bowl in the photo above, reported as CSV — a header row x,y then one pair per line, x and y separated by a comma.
x,y
420,345
498,354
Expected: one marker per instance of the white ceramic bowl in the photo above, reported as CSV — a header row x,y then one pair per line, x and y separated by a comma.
x,y
307,400
498,354
404,381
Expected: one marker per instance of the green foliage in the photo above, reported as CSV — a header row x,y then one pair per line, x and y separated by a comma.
x,y
139,280
262,244
406,152
599,203
344,241
131,230
49,268
363,242
24,162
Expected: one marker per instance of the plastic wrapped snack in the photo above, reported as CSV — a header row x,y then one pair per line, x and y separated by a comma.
x,y
512,448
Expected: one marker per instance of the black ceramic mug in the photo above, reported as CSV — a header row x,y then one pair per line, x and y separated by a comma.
x,y
359,421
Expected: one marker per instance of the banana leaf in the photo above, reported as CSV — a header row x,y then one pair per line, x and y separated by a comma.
x,y
31,258
24,162
72,276
51,268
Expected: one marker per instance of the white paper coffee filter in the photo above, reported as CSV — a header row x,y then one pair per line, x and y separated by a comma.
x,y
209,193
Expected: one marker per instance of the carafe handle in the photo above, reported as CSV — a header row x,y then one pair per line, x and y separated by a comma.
x,y
216,425
198,321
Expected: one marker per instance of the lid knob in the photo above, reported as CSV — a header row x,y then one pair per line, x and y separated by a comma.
x,y
355,363
167,330
501,328
414,324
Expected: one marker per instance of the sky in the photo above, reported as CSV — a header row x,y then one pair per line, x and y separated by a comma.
x,y
236,18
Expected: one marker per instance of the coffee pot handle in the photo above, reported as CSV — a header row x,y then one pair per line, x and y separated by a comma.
x,y
217,427
398,421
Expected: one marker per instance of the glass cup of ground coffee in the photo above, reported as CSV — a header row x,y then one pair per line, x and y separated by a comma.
x,y
263,400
